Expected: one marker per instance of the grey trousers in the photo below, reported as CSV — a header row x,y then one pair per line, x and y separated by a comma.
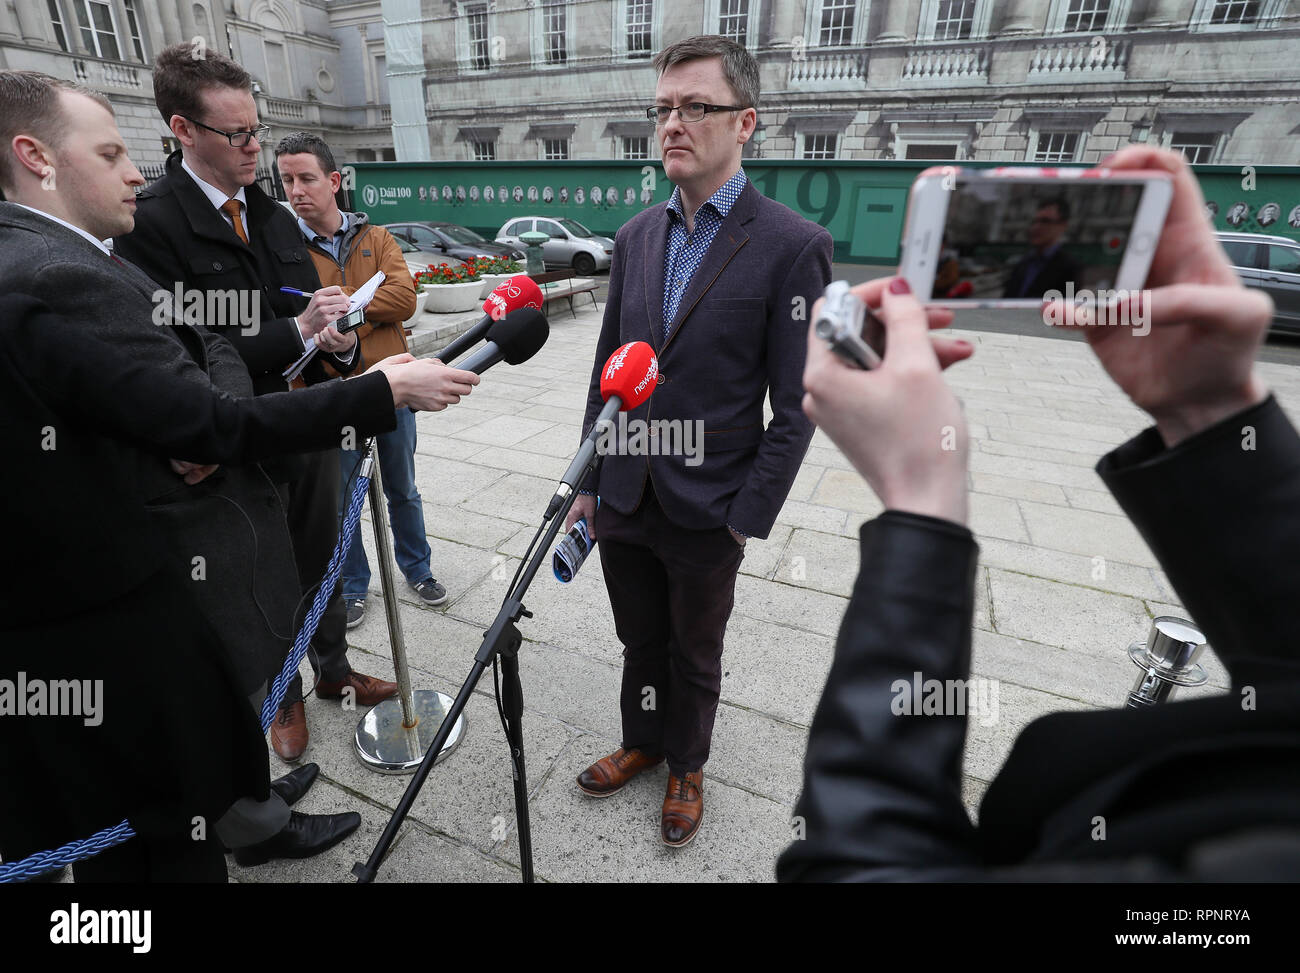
x,y
251,821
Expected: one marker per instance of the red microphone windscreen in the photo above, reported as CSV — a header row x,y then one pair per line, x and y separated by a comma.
x,y
631,374
510,295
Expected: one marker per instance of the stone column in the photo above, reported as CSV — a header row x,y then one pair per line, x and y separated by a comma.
x,y
189,26
8,25
896,12
29,24
1168,13
1023,17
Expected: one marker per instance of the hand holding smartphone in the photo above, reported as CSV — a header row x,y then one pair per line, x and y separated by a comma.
x,y
1015,236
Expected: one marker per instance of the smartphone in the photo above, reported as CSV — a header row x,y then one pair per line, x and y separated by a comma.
x,y
1013,236
351,321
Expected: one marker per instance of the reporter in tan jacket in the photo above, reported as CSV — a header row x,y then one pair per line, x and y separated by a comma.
x,y
348,251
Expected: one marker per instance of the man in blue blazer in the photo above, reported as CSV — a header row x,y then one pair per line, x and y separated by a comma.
x,y
718,280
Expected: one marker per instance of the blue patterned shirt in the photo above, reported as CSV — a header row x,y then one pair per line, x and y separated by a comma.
x,y
686,251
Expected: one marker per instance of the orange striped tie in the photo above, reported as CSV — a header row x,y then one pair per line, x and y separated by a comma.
x,y
231,208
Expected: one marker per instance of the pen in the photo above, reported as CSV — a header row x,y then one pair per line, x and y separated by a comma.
x,y
294,290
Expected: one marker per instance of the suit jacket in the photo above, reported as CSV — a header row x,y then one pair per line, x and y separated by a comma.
x,y
232,520
181,240
88,589
1205,789
740,335
1059,269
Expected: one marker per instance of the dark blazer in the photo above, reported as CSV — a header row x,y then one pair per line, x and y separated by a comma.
x,y
740,336
233,519
88,589
180,238
1205,789
1053,275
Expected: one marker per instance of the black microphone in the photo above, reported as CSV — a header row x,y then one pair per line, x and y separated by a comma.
x,y
514,339
510,295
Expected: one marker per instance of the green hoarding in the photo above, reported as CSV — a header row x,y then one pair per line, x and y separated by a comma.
x,y
861,203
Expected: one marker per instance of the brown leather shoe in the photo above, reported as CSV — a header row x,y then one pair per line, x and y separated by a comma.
x,y
609,775
289,732
369,690
683,809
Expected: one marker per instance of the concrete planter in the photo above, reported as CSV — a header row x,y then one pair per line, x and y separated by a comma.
x,y
421,299
452,298
490,282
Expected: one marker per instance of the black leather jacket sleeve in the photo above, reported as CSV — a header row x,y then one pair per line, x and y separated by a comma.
x,y
1225,496
882,790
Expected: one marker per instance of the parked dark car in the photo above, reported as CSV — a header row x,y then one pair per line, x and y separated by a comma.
x,y
452,240
1272,265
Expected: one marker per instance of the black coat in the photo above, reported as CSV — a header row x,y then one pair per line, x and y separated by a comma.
x,y
1205,789
89,590
1059,270
180,238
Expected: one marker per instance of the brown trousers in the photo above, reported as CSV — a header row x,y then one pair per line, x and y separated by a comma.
x,y
671,590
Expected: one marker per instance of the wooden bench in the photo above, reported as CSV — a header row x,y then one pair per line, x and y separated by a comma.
x,y
559,277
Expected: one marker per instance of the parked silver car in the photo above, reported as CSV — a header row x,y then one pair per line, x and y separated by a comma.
x,y
571,243
1271,264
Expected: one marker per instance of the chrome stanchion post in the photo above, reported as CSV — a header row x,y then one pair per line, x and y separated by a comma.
x,y
1167,660
393,736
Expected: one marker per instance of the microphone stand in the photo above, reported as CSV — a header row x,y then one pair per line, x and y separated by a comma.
x,y
501,640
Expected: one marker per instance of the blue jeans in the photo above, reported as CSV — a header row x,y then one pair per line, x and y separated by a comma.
x,y
405,511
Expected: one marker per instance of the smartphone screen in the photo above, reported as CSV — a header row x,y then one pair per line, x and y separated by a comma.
x,y
995,239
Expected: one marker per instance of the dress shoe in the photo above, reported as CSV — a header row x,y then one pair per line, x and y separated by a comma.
x,y
289,732
683,809
368,689
305,835
609,775
292,786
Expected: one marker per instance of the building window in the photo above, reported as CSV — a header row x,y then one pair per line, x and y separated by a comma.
x,y
1054,147
640,17
954,20
819,146
98,33
483,151
1235,12
733,20
837,23
1084,16
1196,147
133,29
56,20
555,31
553,150
636,146
476,19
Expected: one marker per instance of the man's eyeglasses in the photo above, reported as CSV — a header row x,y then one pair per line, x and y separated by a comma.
x,y
693,112
237,139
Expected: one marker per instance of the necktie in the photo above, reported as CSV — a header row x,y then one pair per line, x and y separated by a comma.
x,y
231,208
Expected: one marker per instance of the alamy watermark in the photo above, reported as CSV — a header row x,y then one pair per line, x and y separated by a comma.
x,y
53,697
231,308
1106,308
653,437
946,697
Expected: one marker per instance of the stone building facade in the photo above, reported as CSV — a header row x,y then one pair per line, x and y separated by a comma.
x,y
998,80
318,66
